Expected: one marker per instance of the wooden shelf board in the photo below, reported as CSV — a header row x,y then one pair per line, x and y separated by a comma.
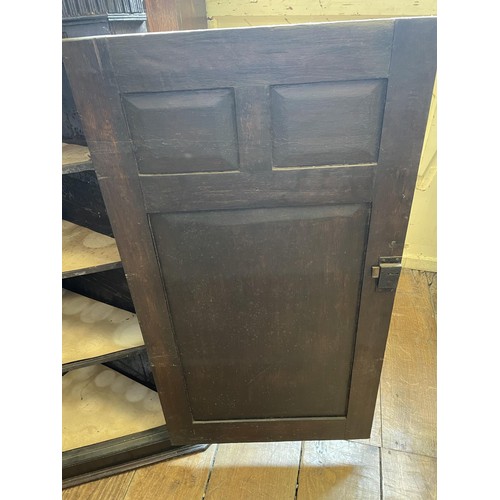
x,y
85,251
75,158
95,332
100,404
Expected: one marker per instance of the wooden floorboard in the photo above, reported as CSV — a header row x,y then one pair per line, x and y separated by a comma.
x,y
254,471
339,469
182,478
432,283
408,383
408,476
114,487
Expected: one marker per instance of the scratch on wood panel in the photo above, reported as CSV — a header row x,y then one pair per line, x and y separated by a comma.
x,y
96,50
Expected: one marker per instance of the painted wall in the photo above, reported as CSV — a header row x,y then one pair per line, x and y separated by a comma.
x,y
421,240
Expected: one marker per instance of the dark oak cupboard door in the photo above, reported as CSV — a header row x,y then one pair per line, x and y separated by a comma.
x,y
253,177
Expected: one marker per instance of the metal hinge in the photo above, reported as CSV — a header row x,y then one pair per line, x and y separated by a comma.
x,y
387,272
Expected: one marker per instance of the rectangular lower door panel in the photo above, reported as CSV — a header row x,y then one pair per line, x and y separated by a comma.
x,y
264,305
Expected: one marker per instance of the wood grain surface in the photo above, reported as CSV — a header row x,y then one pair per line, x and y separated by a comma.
x,y
114,487
408,385
408,476
178,479
84,251
339,469
255,471
100,404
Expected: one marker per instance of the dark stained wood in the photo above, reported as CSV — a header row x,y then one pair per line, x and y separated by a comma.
x,y
244,272
183,131
329,123
408,97
71,123
278,188
261,56
174,15
253,116
109,287
120,455
82,202
117,172
226,297
136,366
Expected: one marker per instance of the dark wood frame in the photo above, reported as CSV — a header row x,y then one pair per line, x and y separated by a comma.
x,y
410,81
120,455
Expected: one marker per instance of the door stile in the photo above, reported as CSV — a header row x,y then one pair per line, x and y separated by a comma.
x,y
113,157
405,118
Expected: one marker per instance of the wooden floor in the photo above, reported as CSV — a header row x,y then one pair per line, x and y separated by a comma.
x,y
397,462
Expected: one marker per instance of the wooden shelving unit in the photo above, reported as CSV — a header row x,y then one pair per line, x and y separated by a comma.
x,y
111,421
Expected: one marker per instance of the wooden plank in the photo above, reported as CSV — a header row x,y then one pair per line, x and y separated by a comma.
x,y
173,61
115,456
408,476
75,158
178,479
93,329
277,188
432,283
114,487
85,251
339,469
99,404
408,384
255,471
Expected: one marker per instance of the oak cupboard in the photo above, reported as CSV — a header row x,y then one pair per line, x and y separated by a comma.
x,y
259,183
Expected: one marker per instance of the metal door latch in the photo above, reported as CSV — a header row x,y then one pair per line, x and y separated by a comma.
x,y
387,272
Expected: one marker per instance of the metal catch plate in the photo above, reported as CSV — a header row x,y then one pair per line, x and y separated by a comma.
x,y
387,272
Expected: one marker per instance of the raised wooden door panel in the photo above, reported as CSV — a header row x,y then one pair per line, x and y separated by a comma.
x,y
253,177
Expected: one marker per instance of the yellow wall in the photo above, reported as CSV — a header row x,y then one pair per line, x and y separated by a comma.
x,y
421,241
